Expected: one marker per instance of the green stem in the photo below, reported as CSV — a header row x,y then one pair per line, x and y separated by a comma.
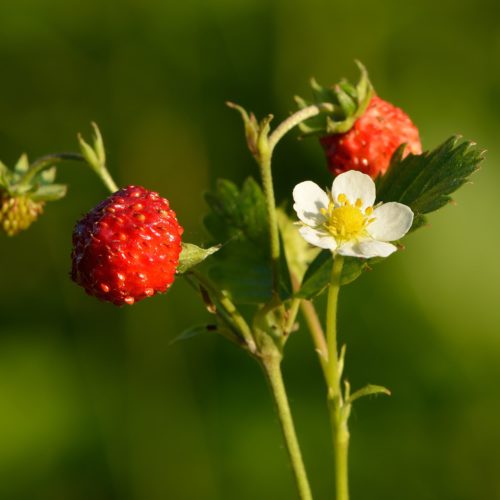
x,y
295,119
314,327
48,161
339,411
272,370
267,184
106,178
317,334
292,315
229,307
264,159
341,448
333,378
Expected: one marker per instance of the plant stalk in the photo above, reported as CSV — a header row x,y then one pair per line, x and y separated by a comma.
x,y
339,412
48,161
296,119
267,184
107,180
264,160
317,334
272,369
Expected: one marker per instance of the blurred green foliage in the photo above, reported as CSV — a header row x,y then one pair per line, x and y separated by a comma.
x,y
95,403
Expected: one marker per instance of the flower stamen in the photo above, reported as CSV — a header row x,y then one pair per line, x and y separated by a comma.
x,y
345,221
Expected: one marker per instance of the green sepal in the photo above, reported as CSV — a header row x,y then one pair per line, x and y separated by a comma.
x,y
49,192
192,255
47,176
349,103
425,182
256,132
22,165
368,390
94,155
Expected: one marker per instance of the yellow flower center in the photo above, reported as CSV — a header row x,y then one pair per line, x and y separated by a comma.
x,y
345,221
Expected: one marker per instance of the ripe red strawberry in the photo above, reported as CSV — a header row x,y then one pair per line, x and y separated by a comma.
x,y
369,145
127,248
362,131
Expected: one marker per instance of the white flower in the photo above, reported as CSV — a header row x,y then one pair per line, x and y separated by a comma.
x,y
345,220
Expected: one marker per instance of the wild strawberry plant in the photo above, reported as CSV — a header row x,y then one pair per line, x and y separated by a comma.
x,y
266,265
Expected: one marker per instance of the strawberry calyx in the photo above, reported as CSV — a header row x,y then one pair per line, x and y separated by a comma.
x,y
349,103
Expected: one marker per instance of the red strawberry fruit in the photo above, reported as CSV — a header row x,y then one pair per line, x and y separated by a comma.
x,y
363,131
127,248
369,145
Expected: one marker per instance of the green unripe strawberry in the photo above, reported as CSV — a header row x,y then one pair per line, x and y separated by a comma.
x,y
24,191
17,213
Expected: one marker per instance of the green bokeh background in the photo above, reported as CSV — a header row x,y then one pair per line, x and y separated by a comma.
x,y
95,403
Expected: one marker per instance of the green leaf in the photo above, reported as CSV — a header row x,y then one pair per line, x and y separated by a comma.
x,y
425,182
192,255
51,192
319,273
368,390
243,265
238,214
194,331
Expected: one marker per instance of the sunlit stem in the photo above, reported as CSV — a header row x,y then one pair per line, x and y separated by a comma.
x,y
264,159
267,184
339,412
296,119
314,327
272,369
105,176
292,315
48,161
317,334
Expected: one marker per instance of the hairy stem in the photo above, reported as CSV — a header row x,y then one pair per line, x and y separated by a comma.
x,y
106,178
314,327
264,159
317,334
339,412
333,378
48,161
267,184
295,119
272,369
292,315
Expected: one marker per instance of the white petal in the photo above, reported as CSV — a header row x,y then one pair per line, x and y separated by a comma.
x,y
309,200
367,249
355,185
318,238
392,221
